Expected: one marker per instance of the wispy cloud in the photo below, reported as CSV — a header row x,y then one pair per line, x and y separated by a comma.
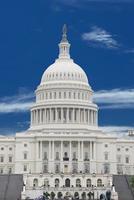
x,y
119,130
78,3
100,38
115,98
17,103
131,51
106,99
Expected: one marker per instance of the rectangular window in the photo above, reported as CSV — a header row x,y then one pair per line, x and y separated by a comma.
x,y
127,159
2,159
10,170
45,170
25,168
106,168
10,159
57,168
106,156
25,156
118,158
1,170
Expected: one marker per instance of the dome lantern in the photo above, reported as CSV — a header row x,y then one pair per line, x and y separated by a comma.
x,y
64,45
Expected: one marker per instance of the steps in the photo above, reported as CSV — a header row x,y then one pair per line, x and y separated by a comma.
x,y
122,187
11,186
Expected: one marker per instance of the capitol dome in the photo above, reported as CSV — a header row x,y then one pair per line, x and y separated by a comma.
x,y
64,68
64,96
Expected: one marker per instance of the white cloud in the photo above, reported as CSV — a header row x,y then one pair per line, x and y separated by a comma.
x,y
115,98
106,99
101,38
119,130
129,51
17,103
73,2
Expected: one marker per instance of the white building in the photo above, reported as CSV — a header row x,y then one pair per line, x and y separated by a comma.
x,y
64,149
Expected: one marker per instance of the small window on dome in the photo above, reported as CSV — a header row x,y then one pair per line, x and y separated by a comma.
x,y
53,75
64,94
59,95
60,74
56,75
46,95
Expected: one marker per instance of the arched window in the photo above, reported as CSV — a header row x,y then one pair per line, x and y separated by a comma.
x,y
99,183
67,182
35,182
88,182
57,182
78,182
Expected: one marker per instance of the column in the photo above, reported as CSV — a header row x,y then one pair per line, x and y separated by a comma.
x,y
73,115
79,115
88,116
53,150
82,150
67,115
70,150
95,151
50,117
56,115
91,117
90,150
79,155
61,155
43,120
37,149
96,118
49,151
41,150
61,115
70,156
36,117
83,115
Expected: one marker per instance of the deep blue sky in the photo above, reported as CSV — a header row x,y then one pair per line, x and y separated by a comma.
x,y
30,31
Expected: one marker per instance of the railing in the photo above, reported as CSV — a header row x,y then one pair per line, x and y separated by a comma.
x,y
68,189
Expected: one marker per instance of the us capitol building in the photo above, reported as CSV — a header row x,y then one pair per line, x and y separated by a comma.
x,y
64,149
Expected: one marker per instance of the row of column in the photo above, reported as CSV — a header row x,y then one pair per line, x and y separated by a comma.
x,y
63,115
80,149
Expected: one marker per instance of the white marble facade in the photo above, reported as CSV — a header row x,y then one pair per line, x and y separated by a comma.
x,y
64,146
